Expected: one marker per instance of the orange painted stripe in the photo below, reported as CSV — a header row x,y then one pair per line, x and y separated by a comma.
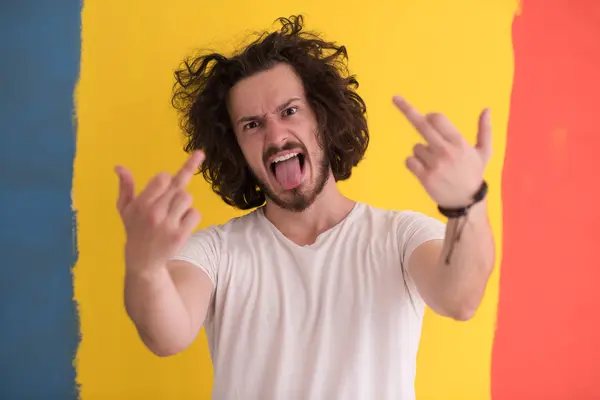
x,y
547,344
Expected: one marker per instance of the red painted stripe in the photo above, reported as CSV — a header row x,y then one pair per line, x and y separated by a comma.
x,y
547,344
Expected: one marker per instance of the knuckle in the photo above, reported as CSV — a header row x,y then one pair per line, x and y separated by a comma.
x,y
194,215
444,153
132,210
154,216
163,179
178,235
125,216
435,118
178,180
178,232
426,178
186,198
434,165
171,229
125,221
197,214
183,197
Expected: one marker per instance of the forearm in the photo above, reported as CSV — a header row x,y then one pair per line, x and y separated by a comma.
x,y
158,311
466,261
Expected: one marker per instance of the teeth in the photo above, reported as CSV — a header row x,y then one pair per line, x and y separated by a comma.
x,y
285,157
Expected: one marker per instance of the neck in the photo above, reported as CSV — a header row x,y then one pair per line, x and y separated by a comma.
x,y
329,209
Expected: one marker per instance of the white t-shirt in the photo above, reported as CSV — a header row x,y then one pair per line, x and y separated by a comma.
x,y
331,320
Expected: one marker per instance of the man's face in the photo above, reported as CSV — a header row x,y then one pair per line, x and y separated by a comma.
x,y
277,132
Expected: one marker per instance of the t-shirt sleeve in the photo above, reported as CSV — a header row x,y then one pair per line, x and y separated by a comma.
x,y
414,229
203,249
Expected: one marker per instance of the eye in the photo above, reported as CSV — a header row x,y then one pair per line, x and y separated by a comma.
x,y
290,111
250,125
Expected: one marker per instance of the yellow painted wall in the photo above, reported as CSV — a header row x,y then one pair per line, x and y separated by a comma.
x,y
448,56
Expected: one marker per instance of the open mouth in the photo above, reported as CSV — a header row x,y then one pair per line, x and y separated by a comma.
x,y
288,158
288,169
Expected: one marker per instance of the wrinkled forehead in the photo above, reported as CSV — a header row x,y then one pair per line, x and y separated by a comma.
x,y
263,92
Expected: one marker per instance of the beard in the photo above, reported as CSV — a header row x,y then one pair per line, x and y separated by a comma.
x,y
301,198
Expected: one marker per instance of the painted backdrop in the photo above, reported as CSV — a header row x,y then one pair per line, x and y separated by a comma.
x,y
87,87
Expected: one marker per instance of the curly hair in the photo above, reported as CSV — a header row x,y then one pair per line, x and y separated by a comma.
x,y
203,84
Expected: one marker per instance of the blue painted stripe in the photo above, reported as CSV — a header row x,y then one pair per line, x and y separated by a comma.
x,y
39,330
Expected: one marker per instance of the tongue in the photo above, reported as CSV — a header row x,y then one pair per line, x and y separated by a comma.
x,y
288,173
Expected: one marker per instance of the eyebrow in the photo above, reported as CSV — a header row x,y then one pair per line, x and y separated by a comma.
x,y
280,108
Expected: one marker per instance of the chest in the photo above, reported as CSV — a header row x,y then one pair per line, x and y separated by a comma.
x,y
337,283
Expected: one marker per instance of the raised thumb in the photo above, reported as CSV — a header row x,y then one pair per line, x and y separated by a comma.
x,y
484,135
126,187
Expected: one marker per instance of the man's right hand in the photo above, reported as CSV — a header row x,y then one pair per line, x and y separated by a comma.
x,y
160,219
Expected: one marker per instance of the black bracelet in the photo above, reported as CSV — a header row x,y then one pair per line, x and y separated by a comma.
x,y
461,212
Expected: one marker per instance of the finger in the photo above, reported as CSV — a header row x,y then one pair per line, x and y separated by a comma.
x,y
445,128
181,202
424,155
190,221
484,135
419,122
416,167
184,175
126,187
155,188
182,178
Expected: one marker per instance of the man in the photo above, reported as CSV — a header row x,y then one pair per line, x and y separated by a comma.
x,y
311,295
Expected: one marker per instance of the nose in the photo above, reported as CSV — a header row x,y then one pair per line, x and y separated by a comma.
x,y
276,132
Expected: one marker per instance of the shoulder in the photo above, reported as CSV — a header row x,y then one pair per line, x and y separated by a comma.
x,y
221,233
407,228
407,219
400,219
246,221
207,246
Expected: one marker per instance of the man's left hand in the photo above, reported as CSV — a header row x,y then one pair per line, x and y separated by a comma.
x,y
448,167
